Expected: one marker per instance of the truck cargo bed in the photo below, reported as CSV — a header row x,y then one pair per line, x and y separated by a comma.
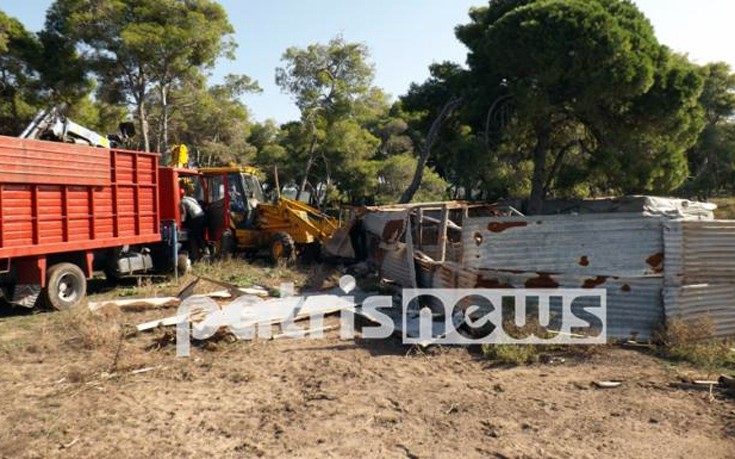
x,y
57,197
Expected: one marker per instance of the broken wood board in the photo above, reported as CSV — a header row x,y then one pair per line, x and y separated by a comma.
x,y
235,290
226,294
136,303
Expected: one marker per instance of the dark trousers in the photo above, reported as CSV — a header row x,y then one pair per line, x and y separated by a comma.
x,y
195,227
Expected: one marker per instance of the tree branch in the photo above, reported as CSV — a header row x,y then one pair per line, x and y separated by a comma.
x,y
448,108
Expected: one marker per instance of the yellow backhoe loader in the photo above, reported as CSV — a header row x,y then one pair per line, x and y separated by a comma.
x,y
239,218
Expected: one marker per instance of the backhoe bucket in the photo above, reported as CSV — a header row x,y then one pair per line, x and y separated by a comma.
x,y
340,244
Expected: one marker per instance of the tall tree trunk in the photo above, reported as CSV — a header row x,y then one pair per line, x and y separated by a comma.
x,y
163,148
535,203
142,117
556,166
307,169
426,150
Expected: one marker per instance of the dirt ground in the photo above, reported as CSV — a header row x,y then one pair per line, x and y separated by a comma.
x,y
70,391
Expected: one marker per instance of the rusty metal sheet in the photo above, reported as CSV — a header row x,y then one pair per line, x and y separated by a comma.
x,y
714,301
388,225
396,266
628,245
634,305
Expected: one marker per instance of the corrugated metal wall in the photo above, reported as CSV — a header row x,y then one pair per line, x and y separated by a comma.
x,y
634,305
699,251
652,267
621,252
601,244
700,272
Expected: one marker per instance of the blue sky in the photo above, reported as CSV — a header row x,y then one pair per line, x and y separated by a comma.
x,y
404,36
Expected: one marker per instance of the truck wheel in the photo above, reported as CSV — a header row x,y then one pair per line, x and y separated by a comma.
x,y
66,286
283,248
110,267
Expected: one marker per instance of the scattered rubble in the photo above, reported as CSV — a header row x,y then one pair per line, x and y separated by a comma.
x,y
256,312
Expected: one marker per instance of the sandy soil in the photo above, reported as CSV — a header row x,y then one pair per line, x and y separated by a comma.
x,y
69,392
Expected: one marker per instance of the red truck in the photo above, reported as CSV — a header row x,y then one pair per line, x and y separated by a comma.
x,y
66,209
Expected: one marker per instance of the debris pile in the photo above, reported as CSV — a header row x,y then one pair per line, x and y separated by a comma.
x,y
657,258
250,313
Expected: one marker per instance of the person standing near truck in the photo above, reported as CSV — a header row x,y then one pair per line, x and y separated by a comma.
x,y
192,218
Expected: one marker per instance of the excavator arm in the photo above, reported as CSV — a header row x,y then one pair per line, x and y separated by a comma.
x,y
52,125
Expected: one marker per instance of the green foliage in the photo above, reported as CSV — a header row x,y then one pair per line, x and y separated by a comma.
x,y
457,151
394,175
337,139
97,115
648,143
188,36
212,120
711,158
565,98
63,71
19,80
588,95
328,79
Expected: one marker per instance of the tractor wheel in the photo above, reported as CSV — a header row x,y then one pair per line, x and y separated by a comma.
x,y
283,248
183,264
227,245
66,286
312,253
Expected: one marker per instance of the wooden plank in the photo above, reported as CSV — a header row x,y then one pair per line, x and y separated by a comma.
x,y
443,234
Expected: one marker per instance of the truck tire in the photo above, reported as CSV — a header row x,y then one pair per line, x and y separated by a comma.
x,y
66,286
110,267
282,248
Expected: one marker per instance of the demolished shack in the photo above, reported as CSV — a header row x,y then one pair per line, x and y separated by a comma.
x,y
657,258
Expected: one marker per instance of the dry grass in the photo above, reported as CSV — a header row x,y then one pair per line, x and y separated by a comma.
x,y
246,273
72,394
725,208
102,338
234,270
511,354
523,354
689,341
103,335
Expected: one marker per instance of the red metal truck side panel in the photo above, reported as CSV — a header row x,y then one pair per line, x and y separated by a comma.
x,y
32,161
60,213
169,190
169,194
